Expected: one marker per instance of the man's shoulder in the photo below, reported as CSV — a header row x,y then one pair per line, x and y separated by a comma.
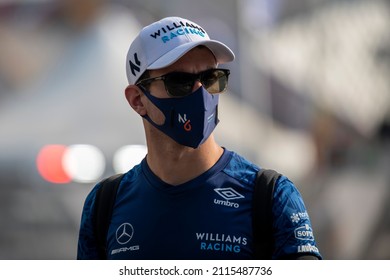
x,y
241,169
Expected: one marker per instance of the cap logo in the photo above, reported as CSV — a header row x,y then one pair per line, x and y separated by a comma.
x,y
176,29
135,67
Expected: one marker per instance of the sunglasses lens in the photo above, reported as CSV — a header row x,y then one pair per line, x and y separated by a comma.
x,y
180,84
215,80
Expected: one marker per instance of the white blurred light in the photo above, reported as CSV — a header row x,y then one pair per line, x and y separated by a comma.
x,y
128,156
83,163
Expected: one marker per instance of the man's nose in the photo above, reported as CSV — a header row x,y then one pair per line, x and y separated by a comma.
x,y
197,85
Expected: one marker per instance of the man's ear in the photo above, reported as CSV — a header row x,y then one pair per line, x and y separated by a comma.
x,y
133,95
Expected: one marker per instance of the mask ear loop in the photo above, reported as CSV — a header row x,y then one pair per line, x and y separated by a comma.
x,y
151,98
171,119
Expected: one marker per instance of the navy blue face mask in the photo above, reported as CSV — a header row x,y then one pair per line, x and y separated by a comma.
x,y
189,120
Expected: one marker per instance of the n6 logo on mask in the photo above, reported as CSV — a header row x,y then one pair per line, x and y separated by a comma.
x,y
186,123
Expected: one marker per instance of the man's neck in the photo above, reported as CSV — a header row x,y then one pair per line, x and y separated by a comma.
x,y
176,164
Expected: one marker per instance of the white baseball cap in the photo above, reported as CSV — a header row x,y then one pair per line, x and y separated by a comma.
x,y
163,42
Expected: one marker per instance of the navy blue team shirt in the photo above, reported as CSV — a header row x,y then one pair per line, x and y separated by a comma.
x,y
208,217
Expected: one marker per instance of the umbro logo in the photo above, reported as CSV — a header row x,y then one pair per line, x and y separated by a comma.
x,y
228,193
135,66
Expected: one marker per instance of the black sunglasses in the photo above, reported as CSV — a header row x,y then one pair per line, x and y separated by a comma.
x,y
180,84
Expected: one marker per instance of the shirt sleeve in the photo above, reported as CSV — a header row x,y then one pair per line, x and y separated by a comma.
x,y
293,232
86,249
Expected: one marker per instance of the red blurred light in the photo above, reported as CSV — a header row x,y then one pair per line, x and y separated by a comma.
x,y
49,164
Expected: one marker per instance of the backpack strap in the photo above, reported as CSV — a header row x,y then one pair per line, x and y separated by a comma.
x,y
262,219
104,204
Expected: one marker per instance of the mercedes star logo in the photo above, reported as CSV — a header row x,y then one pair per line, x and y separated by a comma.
x,y
124,233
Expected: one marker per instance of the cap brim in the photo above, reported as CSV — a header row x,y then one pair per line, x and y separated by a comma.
x,y
221,52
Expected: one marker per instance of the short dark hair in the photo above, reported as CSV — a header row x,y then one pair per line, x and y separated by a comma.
x,y
145,75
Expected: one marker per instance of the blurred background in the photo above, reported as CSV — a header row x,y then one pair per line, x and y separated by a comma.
x,y
309,96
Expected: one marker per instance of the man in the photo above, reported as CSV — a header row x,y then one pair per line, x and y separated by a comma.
x,y
189,198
